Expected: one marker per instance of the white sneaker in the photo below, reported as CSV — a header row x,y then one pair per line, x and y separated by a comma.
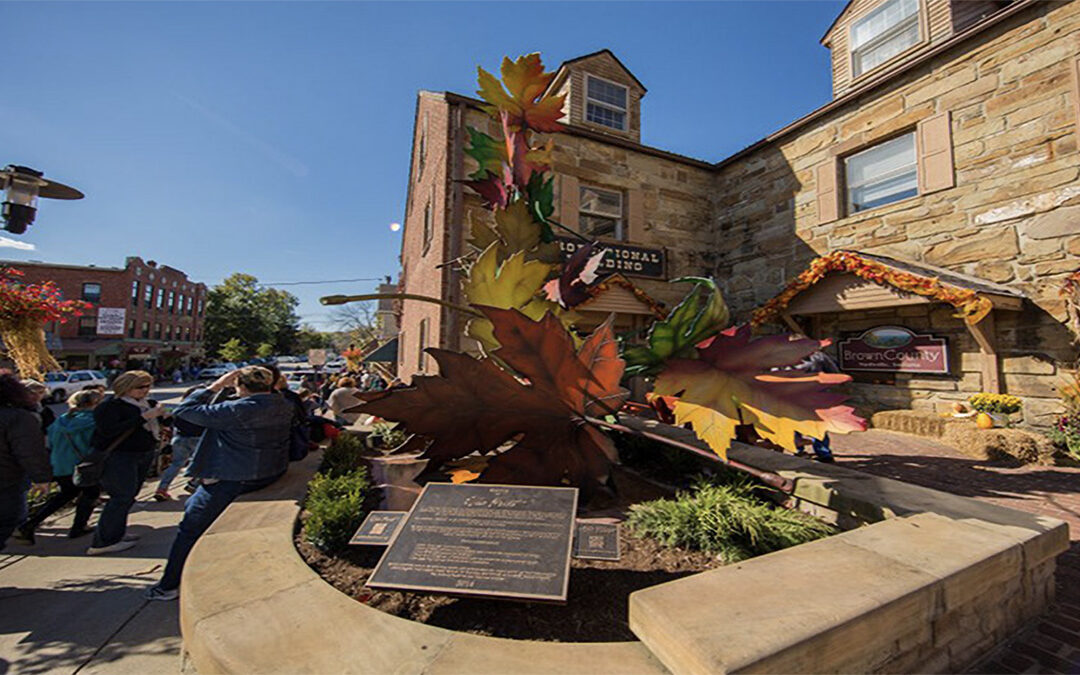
x,y
112,548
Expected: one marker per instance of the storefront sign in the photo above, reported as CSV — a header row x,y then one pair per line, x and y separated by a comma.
x,y
110,320
894,349
634,261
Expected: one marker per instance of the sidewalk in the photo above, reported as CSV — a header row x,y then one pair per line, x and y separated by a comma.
x,y
62,611
1053,644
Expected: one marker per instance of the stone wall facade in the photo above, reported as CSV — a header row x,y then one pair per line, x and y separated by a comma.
x,y
1004,98
1011,218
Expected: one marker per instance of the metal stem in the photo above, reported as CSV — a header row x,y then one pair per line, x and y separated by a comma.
x,y
769,478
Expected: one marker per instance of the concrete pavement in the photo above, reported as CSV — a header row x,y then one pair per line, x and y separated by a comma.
x,y
62,611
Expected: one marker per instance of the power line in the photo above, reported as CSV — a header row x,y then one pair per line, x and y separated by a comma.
x,y
330,281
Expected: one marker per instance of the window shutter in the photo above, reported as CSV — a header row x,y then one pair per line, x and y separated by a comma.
x,y
569,201
934,140
635,216
828,196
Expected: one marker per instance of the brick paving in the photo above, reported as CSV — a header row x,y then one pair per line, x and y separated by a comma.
x,y
1051,645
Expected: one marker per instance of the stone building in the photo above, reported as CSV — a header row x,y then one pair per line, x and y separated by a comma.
x,y
144,315
949,151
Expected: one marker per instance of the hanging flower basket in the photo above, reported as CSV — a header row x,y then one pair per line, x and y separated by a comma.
x,y
24,311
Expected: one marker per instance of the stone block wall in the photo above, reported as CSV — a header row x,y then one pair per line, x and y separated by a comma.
x,y
1011,218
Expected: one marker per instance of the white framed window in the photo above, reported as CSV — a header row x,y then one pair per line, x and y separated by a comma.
x,y
606,103
882,174
883,33
600,213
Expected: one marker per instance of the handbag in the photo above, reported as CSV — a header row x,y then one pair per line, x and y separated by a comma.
x,y
88,472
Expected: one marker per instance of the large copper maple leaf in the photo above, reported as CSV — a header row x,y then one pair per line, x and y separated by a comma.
x,y
738,379
474,405
523,98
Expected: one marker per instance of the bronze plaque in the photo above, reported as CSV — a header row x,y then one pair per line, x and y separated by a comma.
x,y
596,541
509,541
378,528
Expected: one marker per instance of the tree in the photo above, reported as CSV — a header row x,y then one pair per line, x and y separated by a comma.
x,y
309,338
233,350
264,349
357,320
240,309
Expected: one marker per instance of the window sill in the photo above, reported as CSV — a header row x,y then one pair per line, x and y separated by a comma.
x,y
883,210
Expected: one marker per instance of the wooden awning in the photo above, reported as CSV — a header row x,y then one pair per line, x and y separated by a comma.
x,y
617,294
851,280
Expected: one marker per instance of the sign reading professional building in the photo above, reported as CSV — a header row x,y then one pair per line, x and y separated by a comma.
x,y
894,349
635,261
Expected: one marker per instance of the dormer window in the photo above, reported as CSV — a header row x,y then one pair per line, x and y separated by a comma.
x,y
883,33
606,103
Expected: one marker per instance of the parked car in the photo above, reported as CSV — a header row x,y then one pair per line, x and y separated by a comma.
x,y
335,366
61,385
216,370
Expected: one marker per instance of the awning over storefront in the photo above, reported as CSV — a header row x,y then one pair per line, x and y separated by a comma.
x,y
618,294
851,280
845,281
385,353
95,347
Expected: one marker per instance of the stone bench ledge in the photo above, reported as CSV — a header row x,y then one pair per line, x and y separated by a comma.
x,y
250,604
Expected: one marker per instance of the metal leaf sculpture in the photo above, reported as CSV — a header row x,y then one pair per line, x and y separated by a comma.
x,y
737,379
477,406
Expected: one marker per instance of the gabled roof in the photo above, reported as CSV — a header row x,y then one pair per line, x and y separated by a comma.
x,y
836,20
561,72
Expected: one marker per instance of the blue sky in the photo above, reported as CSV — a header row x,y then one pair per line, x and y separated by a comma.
x,y
273,137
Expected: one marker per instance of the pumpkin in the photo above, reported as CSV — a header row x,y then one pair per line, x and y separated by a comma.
x,y
984,421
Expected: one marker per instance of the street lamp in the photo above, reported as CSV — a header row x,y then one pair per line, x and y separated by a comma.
x,y
22,186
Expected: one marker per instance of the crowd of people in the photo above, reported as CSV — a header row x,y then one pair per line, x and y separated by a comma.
x,y
236,434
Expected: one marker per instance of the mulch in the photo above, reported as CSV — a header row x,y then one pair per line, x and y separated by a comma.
x,y
597,602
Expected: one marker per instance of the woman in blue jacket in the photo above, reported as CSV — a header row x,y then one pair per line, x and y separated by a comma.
x,y
69,443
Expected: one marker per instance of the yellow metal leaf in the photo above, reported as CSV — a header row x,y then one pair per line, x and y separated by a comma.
x,y
516,226
512,285
713,427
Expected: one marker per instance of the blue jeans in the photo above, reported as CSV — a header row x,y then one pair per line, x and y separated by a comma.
x,y
123,475
821,448
201,510
182,447
12,509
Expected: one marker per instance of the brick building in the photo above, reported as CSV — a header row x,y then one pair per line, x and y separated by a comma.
x,y
145,315
949,151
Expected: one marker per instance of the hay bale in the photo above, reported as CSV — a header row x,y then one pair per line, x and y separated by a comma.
x,y
1000,444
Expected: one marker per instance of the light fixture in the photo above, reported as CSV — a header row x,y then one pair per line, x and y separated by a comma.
x,y
22,186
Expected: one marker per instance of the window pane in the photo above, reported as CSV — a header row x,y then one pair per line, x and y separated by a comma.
x,y
878,54
598,114
91,292
607,92
882,174
598,226
601,202
881,20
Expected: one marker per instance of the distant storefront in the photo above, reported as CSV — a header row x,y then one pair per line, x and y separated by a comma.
x,y
143,315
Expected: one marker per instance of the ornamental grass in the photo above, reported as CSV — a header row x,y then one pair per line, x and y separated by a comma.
x,y
730,520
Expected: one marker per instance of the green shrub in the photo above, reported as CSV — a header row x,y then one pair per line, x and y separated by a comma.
x,y
335,506
344,455
729,520
387,435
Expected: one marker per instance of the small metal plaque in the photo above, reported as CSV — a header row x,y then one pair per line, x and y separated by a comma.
x,y
378,528
596,541
507,541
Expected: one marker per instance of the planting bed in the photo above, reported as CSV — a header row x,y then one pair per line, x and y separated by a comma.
x,y
595,611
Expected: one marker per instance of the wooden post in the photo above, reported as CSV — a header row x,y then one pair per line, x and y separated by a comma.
x,y
985,334
795,328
